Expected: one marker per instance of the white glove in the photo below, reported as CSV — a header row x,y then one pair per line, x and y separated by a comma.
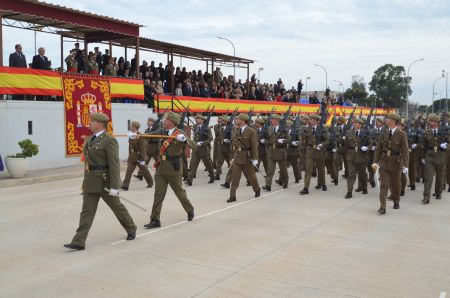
x,y
343,137
199,143
319,147
375,166
262,141
374,148
423,160
113,192
444,146
142,163
280,141
294,143
405,170
181,138
226,141
132,135
254,162
334,150
364,148
414,146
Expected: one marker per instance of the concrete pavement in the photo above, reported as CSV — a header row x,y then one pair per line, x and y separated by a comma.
x,y
279,245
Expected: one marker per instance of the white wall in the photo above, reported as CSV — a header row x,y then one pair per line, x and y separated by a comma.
x,y
48,129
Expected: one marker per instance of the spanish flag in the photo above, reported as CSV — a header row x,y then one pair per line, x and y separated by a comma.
x,y
330,119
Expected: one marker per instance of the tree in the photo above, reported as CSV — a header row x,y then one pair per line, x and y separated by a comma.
x,y
390,83
357,93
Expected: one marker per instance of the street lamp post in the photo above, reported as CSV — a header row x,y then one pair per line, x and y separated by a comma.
x,y
259,72
306,85
340,84
234,53
434,93
326,74
407,85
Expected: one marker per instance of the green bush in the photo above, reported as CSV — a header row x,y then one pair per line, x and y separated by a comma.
x,y
28,149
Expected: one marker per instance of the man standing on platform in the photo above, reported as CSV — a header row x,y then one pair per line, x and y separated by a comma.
x,y
245,149
137,156
169,169
391,158
101,180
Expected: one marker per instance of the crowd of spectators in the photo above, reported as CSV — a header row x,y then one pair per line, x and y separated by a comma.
x,y
159,79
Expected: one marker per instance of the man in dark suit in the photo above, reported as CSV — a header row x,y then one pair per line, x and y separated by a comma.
x,y
41,61
17,59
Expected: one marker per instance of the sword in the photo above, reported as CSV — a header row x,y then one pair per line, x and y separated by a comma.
x,y
377,176
130,202
259,171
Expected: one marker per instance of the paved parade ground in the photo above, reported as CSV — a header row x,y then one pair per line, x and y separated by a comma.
x,y
279,245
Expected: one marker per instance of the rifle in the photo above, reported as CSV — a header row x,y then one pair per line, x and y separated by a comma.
x,y
349,121
443,129
183,117
320,130
202,132
250,115
263,134
295,130
157,123
229,127
333,130
282,125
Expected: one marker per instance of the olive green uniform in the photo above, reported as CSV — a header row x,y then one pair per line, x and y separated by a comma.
x,y
391,155
435,158
277,154
315,144
223,150
201,153
245,149
102,170
293,154
356,159
137,154
341,149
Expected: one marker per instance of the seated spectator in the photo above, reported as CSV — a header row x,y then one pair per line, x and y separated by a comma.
x,y
204,90
178,91
110,68
159,88
41,61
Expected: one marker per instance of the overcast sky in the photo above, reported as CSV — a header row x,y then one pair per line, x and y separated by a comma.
x,y
287,37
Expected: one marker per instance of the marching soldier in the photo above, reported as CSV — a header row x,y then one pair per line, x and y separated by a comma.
x,y
137,156
302,153
391,158
152,145
169,169
223,147
413,145
101,180
375,134
219,126
245,157
330,158
341,150
277,141
71,62
293,150
316,139
203,137
434,144
403,180
357,146
91,65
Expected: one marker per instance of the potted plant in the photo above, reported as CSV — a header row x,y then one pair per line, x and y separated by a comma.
x,y
17,165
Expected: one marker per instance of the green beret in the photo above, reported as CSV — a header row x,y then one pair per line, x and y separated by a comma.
x,y
289,123
342,119
200,116
402,122
434,118
174,117
358,120
260,120
243,116
380,119
394,117
100,117
135,124
276,116
151,119
315,117
225,118
264,118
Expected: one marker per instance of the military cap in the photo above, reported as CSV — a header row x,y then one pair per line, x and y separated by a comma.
x,y
434,118
342,119
358,120
380,119
200,116
276,116
100,117
289,123
306,117
243,116
151,119
174,117
394,117
225,118
135,124
403,121
264,118
260,120
315,117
